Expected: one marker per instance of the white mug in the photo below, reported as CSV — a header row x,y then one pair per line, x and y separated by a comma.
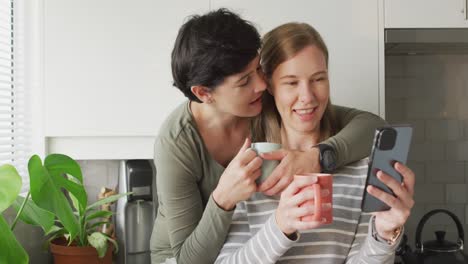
x,y
268,165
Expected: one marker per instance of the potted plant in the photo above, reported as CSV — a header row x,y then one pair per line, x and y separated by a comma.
x,y
57,202
12,251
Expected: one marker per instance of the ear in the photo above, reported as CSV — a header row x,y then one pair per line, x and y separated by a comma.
x,y
202,93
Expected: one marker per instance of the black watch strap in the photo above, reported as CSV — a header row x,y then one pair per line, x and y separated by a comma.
x,y
327,157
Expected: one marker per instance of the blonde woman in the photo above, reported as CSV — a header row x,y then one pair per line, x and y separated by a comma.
x,y
297,113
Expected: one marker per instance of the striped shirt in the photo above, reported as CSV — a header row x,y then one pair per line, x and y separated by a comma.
x,y
254,236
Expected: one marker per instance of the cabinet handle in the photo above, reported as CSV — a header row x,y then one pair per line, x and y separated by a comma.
x,y
466,11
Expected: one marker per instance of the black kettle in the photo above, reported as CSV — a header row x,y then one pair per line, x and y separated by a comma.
x,y
439,251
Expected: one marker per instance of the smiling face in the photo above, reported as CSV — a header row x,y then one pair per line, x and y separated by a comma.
x,y
241,94
301,90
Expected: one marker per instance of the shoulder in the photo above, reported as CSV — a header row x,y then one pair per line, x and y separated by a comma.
x,y
340,108
179,127
178,121
346,113
178,134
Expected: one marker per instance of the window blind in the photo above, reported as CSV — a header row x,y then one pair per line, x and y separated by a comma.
x,y
15,137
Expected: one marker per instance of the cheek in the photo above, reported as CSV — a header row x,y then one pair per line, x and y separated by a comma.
x,y
323,93
238,98
284,100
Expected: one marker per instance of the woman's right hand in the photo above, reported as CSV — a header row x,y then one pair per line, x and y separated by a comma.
x,y
237,183
289,211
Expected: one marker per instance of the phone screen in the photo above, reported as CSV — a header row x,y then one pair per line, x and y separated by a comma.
x,y
391,144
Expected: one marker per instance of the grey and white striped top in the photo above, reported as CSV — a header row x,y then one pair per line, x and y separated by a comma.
x,y
254,236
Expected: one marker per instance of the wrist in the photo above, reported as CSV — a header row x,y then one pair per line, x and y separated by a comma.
x,y
283,229
221,201
386,235
389,236
314,153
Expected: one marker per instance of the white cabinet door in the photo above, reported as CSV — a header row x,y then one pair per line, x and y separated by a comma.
x,y
426,13
350,30
107,65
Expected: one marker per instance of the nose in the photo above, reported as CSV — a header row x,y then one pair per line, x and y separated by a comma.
x,y
306,93
260,83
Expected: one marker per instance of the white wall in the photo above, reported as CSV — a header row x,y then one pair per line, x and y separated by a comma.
x,y
107,65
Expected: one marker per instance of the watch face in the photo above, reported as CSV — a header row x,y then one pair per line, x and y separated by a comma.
x,y
329,160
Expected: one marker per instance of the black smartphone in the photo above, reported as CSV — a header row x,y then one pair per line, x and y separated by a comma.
x,y
391,144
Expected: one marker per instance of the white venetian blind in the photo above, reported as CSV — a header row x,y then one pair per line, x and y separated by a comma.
x,y
15,132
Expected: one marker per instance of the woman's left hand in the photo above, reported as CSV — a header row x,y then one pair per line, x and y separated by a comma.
x,y
292,162
400,206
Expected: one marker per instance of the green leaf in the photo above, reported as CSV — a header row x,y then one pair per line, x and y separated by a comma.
x,y
34,215
80,213
75,201
99,242
67,237
94,225
53,229
10,186
46,192
109,199
116,247
54,233
11,250
103,214
57,165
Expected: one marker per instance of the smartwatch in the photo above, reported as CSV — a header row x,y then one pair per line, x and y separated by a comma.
x,y
327,157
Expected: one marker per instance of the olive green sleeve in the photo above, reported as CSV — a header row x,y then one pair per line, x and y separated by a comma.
x,y
196,232
355,135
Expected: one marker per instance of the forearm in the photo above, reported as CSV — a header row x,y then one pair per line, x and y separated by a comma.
x,y
354,141
267,246
206,240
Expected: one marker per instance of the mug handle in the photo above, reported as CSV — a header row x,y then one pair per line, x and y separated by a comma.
x,y
317,202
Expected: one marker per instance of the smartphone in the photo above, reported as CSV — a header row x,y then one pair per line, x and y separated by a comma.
x,y
391,144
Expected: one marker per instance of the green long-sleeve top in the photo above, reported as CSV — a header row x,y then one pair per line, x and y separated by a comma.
x,y
189,225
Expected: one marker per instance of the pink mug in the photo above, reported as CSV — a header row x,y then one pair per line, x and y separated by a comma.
x,y
324,182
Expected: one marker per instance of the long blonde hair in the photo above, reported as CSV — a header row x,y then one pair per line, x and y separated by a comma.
x,y
278,46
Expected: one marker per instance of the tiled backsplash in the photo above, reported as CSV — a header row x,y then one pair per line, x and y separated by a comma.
x,y
96,174
431,93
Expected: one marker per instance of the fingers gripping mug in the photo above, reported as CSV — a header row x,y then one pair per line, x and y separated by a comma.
x,y
268,165
324,182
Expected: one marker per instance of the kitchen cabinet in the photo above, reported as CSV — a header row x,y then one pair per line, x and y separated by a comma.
x,y
426,13
350,30
107,75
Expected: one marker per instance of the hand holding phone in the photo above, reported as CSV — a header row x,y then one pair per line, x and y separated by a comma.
x,y
391,144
